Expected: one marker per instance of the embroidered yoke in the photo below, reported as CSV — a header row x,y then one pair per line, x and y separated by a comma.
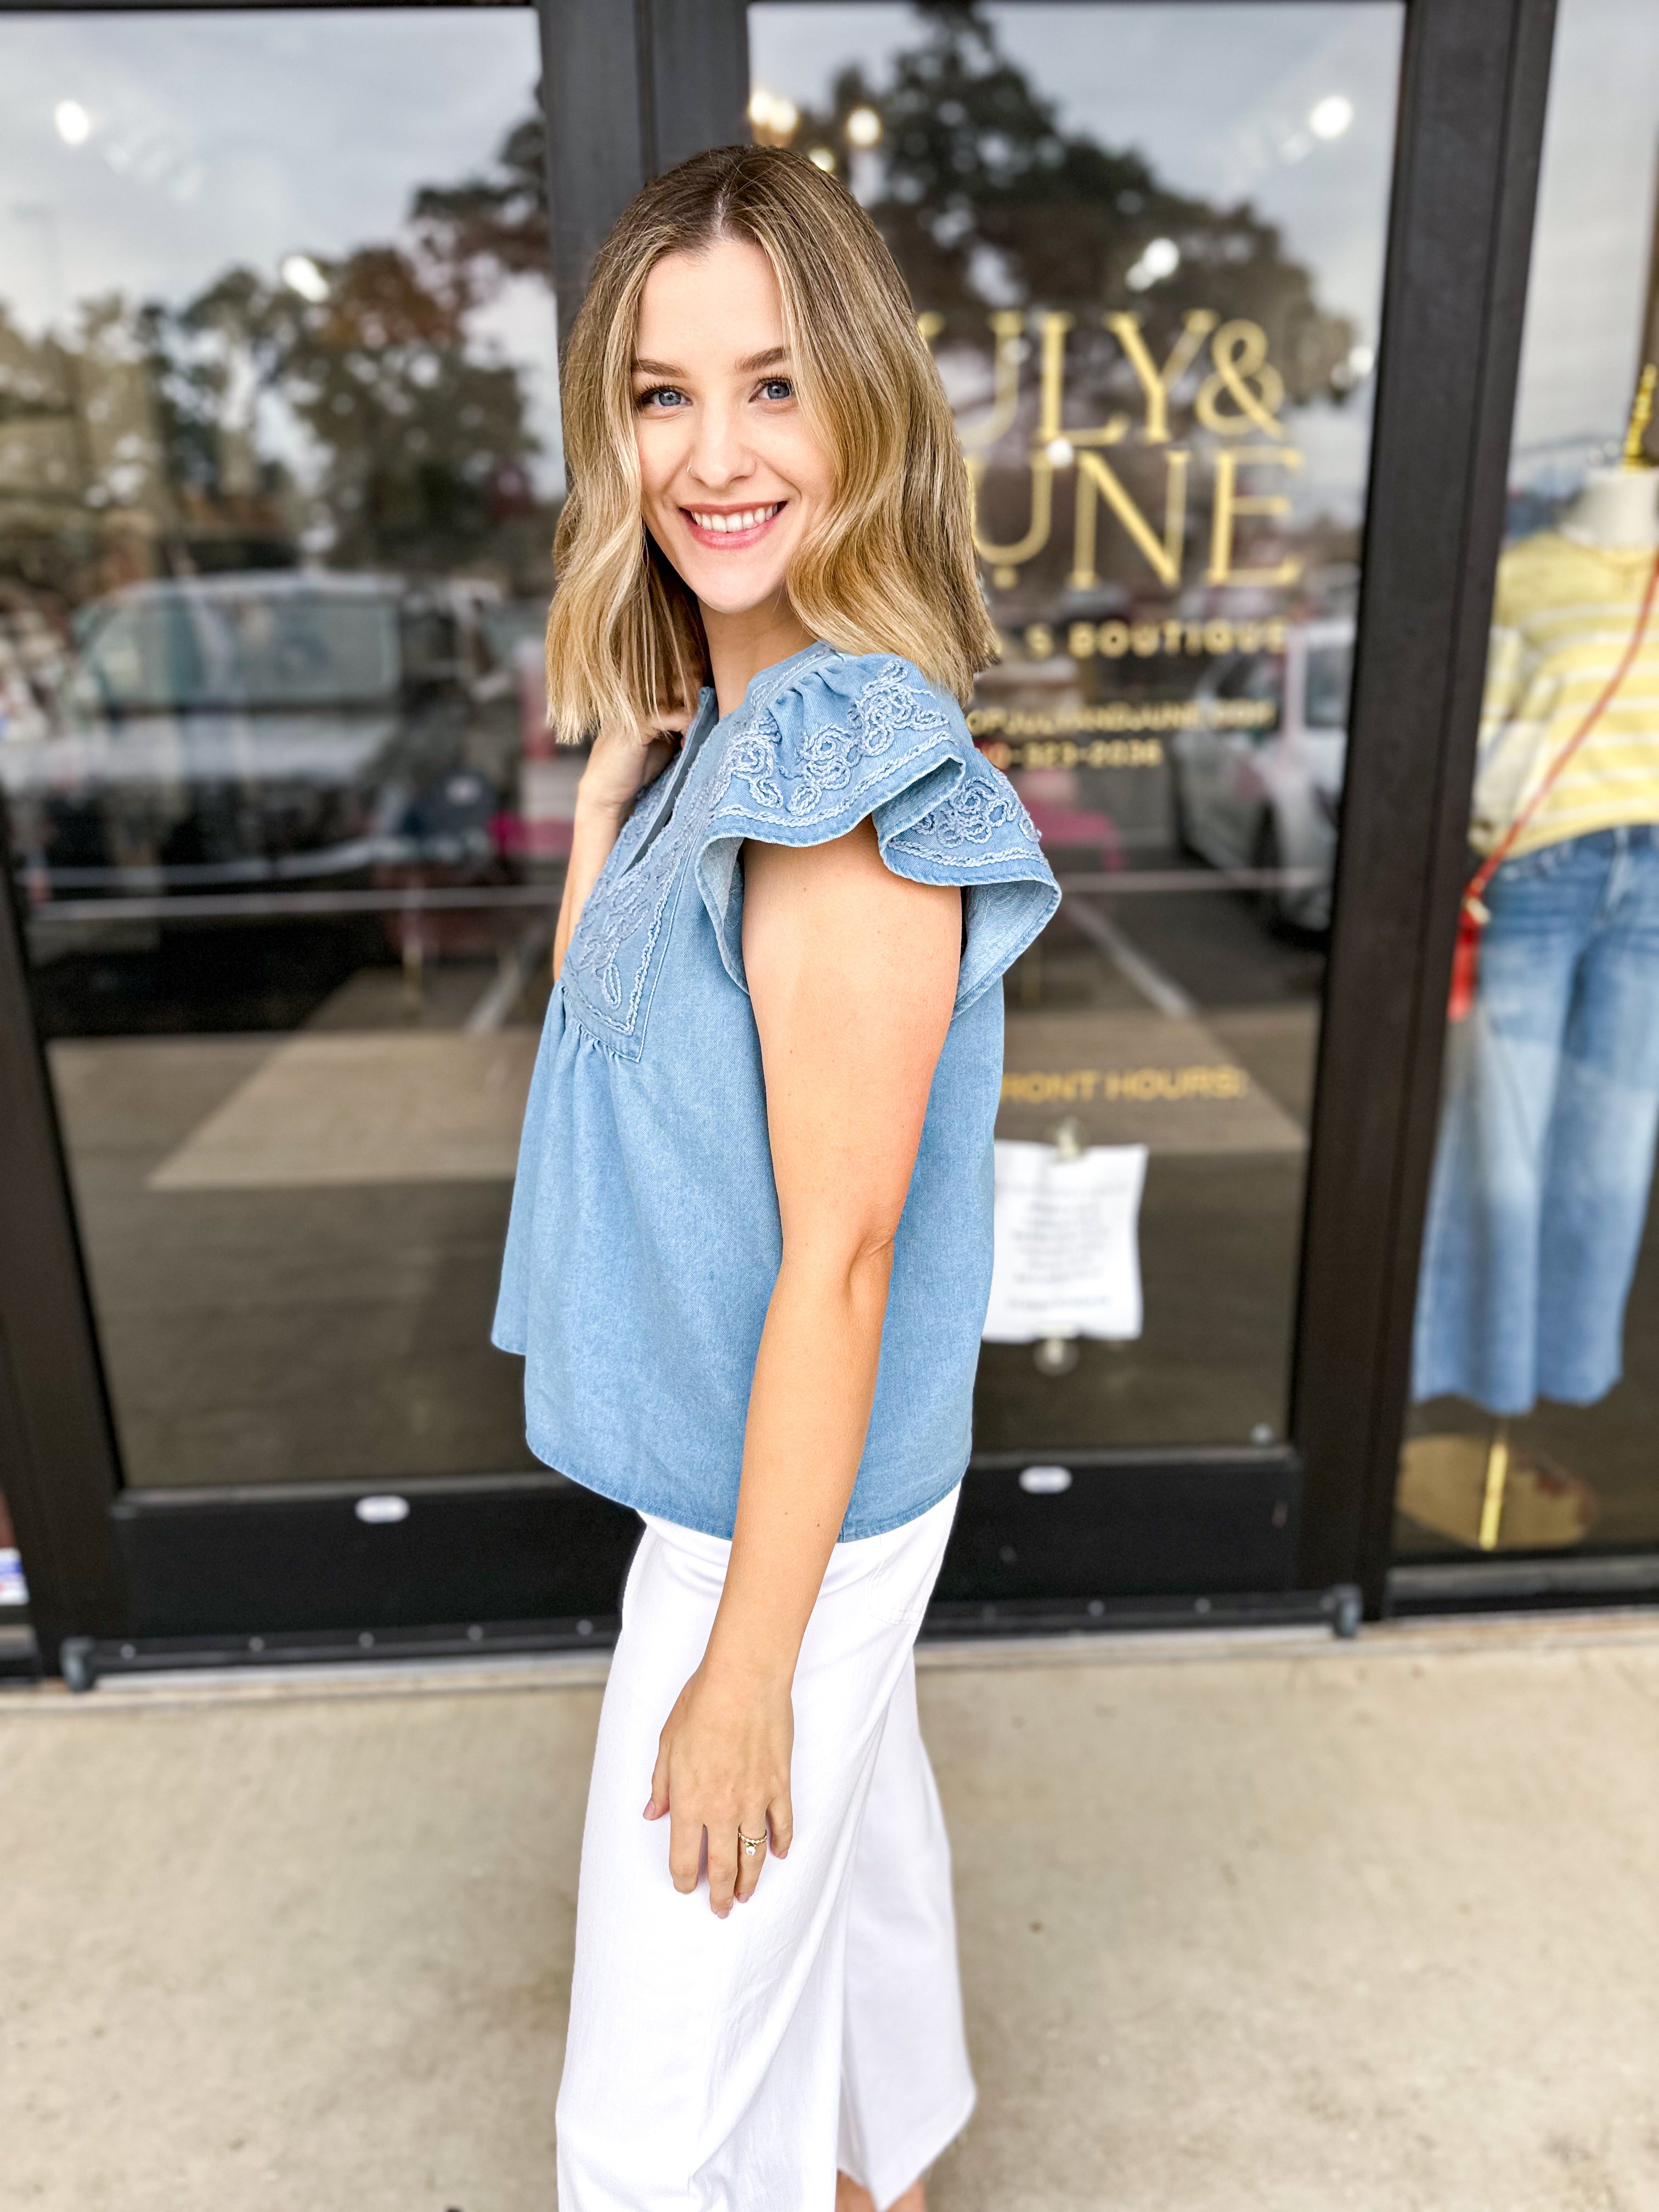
x,y
644,1240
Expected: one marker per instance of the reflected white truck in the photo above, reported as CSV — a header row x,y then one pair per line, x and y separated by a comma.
x,y
272,727
1268,798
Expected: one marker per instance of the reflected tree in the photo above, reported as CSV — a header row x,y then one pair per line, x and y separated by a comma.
x,y
988,201
361,415
424,446
496,220
1163,326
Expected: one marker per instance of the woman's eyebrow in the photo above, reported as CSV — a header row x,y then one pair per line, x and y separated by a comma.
x,y
747,367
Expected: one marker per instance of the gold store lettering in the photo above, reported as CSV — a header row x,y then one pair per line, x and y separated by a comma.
x,y
1095,479
1239,399
1155,382
1086,1086
1066,752
1111,640
1229,503
1122,714
1010,558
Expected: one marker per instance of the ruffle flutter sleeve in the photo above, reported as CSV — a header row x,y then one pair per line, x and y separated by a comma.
x,y
867,734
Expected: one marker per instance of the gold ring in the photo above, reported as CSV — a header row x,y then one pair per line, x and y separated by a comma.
x,y
752,1845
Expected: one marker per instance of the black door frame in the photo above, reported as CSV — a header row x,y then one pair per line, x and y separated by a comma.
x,y
133,1577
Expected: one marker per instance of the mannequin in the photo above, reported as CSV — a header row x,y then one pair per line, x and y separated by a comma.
x,y
1618,509
1546,1148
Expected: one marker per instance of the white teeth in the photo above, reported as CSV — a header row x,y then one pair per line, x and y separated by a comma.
x,y
721,525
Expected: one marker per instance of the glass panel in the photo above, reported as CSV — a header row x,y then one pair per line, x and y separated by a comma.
x,y
1536,1369
279,458
1145,242
13,1592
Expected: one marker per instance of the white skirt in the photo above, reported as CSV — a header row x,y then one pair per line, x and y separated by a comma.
x,y
730,2066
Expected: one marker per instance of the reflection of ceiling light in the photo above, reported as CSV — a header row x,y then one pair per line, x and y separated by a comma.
x,y
821,157
1159,258
1059,451
772,115
1353,368
1331,117
864,127
74,124
301,275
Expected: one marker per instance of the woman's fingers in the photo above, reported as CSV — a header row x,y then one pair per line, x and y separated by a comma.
x,y
658,754
722,1868
657,1804
716,1785
733,1870
685,1848
750,1833
780,1814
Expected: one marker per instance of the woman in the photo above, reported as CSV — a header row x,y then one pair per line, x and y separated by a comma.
x,y
749,1249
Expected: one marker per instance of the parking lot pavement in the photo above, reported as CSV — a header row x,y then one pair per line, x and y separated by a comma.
x,y
1267,1922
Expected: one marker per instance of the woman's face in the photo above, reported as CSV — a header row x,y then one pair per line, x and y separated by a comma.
x,y
732,478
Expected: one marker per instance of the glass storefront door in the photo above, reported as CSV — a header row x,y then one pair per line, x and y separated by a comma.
x,y
277,481
279,466
1536,1352
1147,241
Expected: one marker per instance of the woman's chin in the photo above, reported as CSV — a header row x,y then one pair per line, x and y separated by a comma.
x,y
721,593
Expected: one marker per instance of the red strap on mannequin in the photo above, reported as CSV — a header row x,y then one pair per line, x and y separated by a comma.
x,y
1472,914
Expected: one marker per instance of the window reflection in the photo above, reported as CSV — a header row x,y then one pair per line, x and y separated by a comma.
x,y
13,1590
1535,1379
178,648
279,470
1145,245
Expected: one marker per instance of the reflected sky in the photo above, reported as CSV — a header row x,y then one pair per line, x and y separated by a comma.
x,y
213,139
1217,97
1597,214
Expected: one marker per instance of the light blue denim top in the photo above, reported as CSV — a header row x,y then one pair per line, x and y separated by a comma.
x,y
644,1240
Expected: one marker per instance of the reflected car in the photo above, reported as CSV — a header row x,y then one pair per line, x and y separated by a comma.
x,y
1268,796
265,728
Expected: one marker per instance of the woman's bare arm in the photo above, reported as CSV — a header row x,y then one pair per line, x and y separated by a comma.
x,y
853,974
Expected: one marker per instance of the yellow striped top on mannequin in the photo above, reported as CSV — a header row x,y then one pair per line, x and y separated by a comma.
x,y
1565,604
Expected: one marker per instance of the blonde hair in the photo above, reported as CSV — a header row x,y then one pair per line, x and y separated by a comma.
x,y
891,567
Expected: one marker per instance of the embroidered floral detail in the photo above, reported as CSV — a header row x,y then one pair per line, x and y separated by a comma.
x,y
891,734
978,811
623,918
827,758
614,919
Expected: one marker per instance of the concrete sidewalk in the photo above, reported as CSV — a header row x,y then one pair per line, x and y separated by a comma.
x,y
1269,1923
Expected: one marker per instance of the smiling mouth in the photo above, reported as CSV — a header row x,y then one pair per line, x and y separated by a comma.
x,y
731,528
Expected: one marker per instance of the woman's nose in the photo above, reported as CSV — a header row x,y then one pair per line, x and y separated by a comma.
x,y
719,455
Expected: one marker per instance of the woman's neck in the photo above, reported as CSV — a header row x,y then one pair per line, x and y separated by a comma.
x,y
740,645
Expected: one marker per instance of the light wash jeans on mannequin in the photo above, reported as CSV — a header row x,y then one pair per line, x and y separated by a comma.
x,y
1546,1148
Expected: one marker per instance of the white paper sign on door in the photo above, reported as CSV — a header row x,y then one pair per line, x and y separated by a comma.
x,y
1067,1247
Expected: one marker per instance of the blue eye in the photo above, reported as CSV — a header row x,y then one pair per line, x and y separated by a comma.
x,y
777,388
661,396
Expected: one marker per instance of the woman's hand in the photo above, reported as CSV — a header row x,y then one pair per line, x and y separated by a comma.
x,y
621,762
722,1765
